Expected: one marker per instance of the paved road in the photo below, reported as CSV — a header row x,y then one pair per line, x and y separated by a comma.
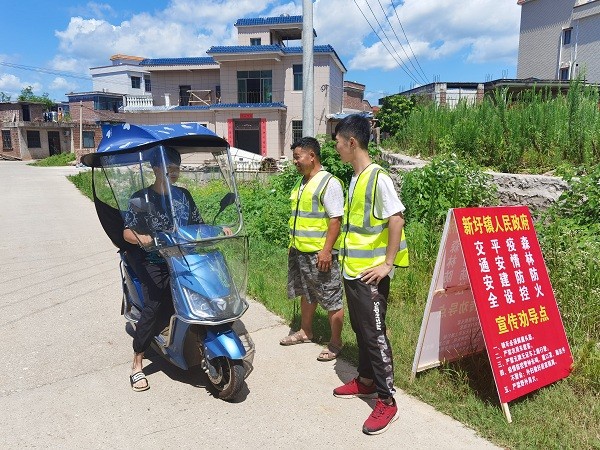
x,y
66,354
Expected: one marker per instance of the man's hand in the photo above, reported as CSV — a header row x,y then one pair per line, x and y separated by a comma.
x,y
227,231
145,239
324,261
375,274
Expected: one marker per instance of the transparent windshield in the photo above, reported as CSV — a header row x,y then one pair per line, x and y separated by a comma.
x,y
167,198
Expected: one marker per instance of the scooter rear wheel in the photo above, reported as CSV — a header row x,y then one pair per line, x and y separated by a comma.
x,y
227,378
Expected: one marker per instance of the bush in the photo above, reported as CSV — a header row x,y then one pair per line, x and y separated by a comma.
x,y
444,183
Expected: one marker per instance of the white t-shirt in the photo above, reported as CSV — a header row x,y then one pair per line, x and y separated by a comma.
x,y
387,203
333,197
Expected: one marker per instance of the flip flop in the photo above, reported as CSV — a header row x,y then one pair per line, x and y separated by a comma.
x,y
138,376
330,353
296,338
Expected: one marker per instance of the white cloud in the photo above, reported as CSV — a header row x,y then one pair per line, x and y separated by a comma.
x,y
435,29
62,84
12,85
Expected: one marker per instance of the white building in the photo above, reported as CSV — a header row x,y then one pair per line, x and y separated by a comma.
x,y
250,93
559,40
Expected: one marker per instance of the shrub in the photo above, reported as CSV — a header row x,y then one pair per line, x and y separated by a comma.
x,y
442,184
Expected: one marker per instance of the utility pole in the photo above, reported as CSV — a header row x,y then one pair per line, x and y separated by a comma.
x,y
308,85
80,126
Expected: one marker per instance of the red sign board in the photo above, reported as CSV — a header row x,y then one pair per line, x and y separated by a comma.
x,y
246,115
521,325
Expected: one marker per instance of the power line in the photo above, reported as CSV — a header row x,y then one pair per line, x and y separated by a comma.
x,y
421,75
44,70
407,41
383,43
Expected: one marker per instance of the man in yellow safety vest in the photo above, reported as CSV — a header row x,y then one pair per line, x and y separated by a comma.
x,y
317,202
372,244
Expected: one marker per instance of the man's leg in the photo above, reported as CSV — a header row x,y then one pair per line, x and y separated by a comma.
x,y
336,321
307,314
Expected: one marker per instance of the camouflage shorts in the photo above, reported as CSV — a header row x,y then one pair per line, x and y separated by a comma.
x,y
304,279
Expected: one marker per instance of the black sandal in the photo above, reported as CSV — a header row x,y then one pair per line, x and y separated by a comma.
x,y
138,376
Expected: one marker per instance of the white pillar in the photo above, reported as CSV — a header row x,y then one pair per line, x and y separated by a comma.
x,y
308,88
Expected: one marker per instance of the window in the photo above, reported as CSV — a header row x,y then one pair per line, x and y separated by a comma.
x,y
6,140
88,139
564,74
33,139
136,82
107,104
296,130
254,41
147,84
567,36
218,93
184,95
255,86
297,69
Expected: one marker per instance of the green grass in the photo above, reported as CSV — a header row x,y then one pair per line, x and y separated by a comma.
x,y
62,159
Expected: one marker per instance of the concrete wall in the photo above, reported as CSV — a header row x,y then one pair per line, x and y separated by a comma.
x,y
537,192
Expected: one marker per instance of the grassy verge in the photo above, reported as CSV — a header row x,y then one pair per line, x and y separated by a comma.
x,y
62,159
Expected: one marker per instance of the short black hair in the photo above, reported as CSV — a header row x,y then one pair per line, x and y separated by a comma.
x,y
356,126
308,143
172,156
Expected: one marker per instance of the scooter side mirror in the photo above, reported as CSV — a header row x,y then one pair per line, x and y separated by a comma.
x,y
227,200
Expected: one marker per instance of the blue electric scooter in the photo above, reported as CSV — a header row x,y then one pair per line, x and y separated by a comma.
x,y
207,261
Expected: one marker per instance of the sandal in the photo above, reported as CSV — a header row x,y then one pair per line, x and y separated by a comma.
x,y
330,353
296,338
138,376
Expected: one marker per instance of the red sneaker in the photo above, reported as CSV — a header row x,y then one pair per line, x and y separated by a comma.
x,y
381,418
355,388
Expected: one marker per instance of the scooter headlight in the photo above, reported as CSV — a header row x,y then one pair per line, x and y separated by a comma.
x,y
219,308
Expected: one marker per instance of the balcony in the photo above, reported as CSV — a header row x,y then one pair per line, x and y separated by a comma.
x,y
137,102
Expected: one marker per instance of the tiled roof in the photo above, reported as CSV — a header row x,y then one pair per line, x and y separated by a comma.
x,y
228,105
249,105
266,48
243,48
178,61
268,21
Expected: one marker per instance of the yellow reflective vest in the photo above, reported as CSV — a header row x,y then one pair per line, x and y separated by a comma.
x,y
365,237
309,221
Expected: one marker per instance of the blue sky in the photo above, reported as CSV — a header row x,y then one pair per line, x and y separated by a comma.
x,y
51,45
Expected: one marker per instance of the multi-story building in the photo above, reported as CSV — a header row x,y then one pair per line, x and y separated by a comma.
x,y
250,93
559,40
29,131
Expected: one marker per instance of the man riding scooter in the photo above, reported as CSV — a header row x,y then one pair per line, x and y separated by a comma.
x,y
149,266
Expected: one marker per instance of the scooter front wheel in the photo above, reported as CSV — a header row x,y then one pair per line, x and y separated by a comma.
x,y
227,376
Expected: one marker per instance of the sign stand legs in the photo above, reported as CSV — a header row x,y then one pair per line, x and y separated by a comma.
x,y
506,412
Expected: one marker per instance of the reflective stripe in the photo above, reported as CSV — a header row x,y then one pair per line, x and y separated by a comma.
x,y
365,239
367,230
310,234
312,215
309,221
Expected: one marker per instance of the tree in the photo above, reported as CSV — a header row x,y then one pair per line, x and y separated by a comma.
x,y
27,95
4,97
394,112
